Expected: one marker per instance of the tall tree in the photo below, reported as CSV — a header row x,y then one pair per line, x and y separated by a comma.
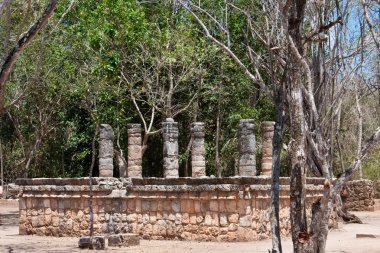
x,y
287,31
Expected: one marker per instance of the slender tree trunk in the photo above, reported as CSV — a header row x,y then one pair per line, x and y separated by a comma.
x,y
217,137
360,128
340,151
187,155
2,170
275,188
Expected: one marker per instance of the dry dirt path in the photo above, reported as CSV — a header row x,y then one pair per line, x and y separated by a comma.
x,y
339,241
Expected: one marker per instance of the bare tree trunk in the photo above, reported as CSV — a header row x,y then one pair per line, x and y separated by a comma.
x,y
186,161
297,126
275,188
2,170
217,137
298,160
360,128
91,225
337,138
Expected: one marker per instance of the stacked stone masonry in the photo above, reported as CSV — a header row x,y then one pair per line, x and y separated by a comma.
x,y
361,195
202,209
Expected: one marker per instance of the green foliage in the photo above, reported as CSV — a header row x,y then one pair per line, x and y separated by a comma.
x,y
84,71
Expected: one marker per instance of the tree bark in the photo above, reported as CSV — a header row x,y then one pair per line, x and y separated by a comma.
x,y
360,127
217,137
275,188
297,126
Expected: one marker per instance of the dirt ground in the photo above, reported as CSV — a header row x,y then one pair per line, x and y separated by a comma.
x,y
341,240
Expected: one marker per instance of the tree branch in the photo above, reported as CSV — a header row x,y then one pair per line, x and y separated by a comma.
x,y
25,39
223,46
365,152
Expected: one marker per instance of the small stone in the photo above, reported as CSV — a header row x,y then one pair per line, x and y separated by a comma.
x,y
223,220
245,221
123,240
233,218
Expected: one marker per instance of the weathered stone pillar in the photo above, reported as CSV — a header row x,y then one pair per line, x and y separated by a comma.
x,y
247,148
106,151
134,151
267,128
198,163
170,136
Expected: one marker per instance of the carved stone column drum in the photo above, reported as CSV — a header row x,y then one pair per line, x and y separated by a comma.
x,y
170,152
106,152
198,162
267,128
134,151
247,148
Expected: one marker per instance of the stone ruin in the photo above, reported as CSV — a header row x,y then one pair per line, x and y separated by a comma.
x,y
195,208
246,147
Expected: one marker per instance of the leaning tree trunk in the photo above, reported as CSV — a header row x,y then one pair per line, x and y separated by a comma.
x,y
21,44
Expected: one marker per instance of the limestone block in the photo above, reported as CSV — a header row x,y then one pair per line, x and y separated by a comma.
x,y
223,220
233,218
231,206
208,219
245,221
159,229
178,219
185,218
97,242
232,227
176,206
246,234
214,206
193,219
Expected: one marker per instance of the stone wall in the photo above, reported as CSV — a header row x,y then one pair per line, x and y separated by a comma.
x,y
361,195
204,209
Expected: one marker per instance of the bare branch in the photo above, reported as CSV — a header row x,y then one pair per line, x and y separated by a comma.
x,y
364,154
71,5
374,37
224,47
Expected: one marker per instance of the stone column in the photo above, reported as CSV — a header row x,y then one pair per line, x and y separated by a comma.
x,y
106,151
170,136
247,148
134,151
198,163
267,128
